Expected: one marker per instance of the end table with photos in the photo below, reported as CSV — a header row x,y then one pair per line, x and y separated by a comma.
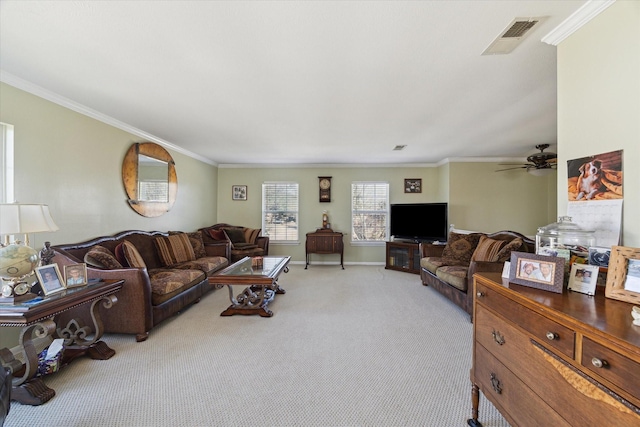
x,y
38,319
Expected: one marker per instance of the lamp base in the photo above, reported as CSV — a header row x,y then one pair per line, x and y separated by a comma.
x,y
17,299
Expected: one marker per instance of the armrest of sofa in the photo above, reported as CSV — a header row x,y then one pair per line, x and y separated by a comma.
x,y
263,242
428,249
482,267
218,248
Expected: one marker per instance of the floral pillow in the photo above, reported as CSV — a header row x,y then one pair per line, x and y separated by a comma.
x,y
460,248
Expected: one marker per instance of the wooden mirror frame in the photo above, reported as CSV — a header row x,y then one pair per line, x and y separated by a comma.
x,y
130,179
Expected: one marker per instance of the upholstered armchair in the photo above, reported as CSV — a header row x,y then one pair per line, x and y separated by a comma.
x,y
244,241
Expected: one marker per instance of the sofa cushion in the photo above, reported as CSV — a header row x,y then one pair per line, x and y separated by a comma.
x,y
487,249
505,252
196,241
207,265
119,253
251,235
217,234
101,257
235,235
431,263
174,249
454,275
459,248
131,254
167,283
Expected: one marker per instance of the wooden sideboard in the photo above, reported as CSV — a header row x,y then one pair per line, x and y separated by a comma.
x,y
324,241
544,358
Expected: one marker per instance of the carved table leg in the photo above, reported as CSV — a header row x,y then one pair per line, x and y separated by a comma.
x,y
475,402
253,300
76,337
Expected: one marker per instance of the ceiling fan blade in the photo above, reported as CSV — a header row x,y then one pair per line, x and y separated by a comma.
x,y
508,169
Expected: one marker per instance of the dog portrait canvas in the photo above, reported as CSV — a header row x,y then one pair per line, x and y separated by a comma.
x,y
596,177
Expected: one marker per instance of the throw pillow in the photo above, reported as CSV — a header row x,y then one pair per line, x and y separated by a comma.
x,y
174,249
119,253
101,257
196,241
235,235
251,235
131,254
487,249
505,252
459,248
217,234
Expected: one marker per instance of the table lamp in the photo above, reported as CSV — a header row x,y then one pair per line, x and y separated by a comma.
x,y
18,260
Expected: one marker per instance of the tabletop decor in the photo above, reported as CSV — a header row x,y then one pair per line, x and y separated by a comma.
x,y
623,277
537,271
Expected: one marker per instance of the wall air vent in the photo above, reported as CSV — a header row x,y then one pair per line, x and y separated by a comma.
x,y
399,147
513,35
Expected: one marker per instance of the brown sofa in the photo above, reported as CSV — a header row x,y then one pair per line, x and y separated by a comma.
x,y
244,241
163,273
450,268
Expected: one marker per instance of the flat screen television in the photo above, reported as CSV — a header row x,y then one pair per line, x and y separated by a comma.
x,y
420,222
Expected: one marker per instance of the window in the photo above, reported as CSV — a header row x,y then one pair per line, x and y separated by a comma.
x,y
6,163
369,212
280,211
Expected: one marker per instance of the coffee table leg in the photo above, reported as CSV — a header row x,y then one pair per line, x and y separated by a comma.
x,y
253,300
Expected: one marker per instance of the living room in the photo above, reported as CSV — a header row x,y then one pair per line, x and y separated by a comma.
x,y
72,161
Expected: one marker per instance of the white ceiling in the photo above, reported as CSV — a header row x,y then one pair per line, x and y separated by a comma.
x,y
284,82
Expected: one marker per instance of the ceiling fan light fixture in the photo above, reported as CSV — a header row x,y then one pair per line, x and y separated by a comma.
x,y
540,172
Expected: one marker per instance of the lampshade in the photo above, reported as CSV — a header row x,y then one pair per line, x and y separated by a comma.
x,y
16,218
540,172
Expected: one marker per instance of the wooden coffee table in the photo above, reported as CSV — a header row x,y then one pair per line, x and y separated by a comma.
x,y
260,282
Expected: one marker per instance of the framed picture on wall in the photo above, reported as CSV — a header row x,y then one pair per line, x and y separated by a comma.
x,y
239,192
413,185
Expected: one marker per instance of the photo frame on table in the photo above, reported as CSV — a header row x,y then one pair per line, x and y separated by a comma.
x,y
239,192
623,276
50,279
75,275
583,278
537,271
413,185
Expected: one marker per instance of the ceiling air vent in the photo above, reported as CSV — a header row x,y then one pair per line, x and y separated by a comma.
x,y
513,35
399,147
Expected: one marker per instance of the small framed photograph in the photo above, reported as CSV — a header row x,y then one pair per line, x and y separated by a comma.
x,y
599,256
623,276
50,279
75,275
583,278
413,185
537,271
239,192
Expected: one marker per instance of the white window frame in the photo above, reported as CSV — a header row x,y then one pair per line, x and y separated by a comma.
x,y
357,211
6,163
290,237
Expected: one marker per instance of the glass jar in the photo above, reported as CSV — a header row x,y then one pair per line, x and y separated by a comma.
x,y
564,238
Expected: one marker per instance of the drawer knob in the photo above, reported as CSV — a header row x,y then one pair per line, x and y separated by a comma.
x,y
552,336
598,363
480,294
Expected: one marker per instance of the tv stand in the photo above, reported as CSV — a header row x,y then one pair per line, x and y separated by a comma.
x,y
403,256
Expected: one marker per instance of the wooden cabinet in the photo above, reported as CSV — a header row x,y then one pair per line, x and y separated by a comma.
x,y
324,241
544,358
403,256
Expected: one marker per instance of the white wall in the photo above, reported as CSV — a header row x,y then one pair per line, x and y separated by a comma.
x,y
599,102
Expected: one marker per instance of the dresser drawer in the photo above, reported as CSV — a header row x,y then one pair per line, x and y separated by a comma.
x,y
611,365
510,395
543,329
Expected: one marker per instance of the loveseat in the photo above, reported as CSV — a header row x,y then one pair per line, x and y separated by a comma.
x,y
244,241
163,274
450,268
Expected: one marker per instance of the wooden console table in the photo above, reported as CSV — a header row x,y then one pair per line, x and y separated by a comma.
x,y
403,256
544,358
38,321
324,241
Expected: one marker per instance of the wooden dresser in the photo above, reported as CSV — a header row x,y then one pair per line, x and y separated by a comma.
x,y
324,241
544,358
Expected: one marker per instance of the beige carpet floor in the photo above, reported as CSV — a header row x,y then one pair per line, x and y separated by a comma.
x,y
362,346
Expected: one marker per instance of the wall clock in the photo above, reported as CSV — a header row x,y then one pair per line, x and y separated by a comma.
x,y
325,188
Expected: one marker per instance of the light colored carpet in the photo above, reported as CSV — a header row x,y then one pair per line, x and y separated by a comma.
x,y
362,346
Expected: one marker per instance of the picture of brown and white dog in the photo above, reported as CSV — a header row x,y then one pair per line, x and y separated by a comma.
x,y
590,180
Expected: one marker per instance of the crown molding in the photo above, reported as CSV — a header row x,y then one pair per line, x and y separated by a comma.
x,y
34,89
580,17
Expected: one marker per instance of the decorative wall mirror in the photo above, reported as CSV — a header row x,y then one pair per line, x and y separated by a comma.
x,y
150,180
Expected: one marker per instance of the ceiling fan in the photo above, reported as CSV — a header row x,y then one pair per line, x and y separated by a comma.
x,y
537,164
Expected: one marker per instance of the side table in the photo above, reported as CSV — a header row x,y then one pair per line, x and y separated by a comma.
x,y
38,321
324,241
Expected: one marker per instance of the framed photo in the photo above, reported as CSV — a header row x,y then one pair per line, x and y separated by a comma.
x,y
239,192
599,256
537,271
583,278
50,279
623,277
75,275
413,185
